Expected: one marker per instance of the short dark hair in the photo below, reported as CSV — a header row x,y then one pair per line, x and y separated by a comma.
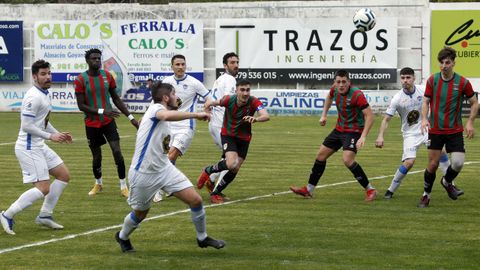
x,y
92,50
228,55
149,80
446,52
160,89
181,56
37,65
242,82
342,73
407,71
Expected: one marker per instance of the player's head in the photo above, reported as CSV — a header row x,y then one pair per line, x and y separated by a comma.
x,y
407,78
179,65
164,93
243,91
342,81
93,57
230,63
42,77
446,58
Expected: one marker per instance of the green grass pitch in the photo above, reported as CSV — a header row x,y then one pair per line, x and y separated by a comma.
x,y
265,227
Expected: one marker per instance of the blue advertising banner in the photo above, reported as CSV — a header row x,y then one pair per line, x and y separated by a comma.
x,y
11,51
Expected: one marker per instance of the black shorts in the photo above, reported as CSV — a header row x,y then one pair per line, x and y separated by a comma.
x,y
452,142
234,144
99,136
347,140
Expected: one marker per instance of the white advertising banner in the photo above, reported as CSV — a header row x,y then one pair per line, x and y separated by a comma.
x,y
144,47
277,101
312,102
288,50
63,100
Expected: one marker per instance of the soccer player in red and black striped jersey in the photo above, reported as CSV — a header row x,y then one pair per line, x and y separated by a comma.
x,y
93,90
442,119
236,135
355,119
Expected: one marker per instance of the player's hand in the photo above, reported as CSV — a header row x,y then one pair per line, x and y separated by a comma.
x,y
135,123
249,119
425,126
69,138
111,114
58,137
360,143
203,116
469,130
207,106
379,142
323,121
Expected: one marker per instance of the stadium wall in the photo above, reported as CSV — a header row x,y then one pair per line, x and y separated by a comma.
x,y
413,31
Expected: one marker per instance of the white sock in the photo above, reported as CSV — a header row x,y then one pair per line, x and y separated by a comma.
x,y
214,177
123,183
220,176
198,219
426,193
310,188
24,201
99,181
443,165
130,223
396,181
56,189
369,186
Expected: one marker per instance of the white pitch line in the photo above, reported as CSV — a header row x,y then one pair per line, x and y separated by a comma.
x,y
72,236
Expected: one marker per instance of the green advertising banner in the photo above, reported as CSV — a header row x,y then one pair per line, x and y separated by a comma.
x,y
459,29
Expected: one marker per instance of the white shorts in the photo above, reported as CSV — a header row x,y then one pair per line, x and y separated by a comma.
x,y
37,163
216,136
181,139
411,143
143,186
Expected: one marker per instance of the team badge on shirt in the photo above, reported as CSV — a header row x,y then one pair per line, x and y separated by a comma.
x,y
166,144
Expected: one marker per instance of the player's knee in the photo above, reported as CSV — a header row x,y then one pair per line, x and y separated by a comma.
x,y
458,159
348,162
45,189
195,201
408,163
233,164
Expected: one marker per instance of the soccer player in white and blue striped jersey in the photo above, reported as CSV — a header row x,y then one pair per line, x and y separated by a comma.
x,y
152,170
36,159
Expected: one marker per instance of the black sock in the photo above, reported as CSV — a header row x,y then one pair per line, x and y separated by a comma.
x,y
359,174
220,166
429,179
451,174
226,180
317,172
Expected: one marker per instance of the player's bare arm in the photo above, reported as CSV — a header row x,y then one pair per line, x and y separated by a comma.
x,y
172,115
470,130
121,106
425,107
263,116
380,141
326,107
369,117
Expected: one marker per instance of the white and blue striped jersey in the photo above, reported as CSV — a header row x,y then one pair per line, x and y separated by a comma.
x,y
151,145
225,85
187,90
409,107
36,104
